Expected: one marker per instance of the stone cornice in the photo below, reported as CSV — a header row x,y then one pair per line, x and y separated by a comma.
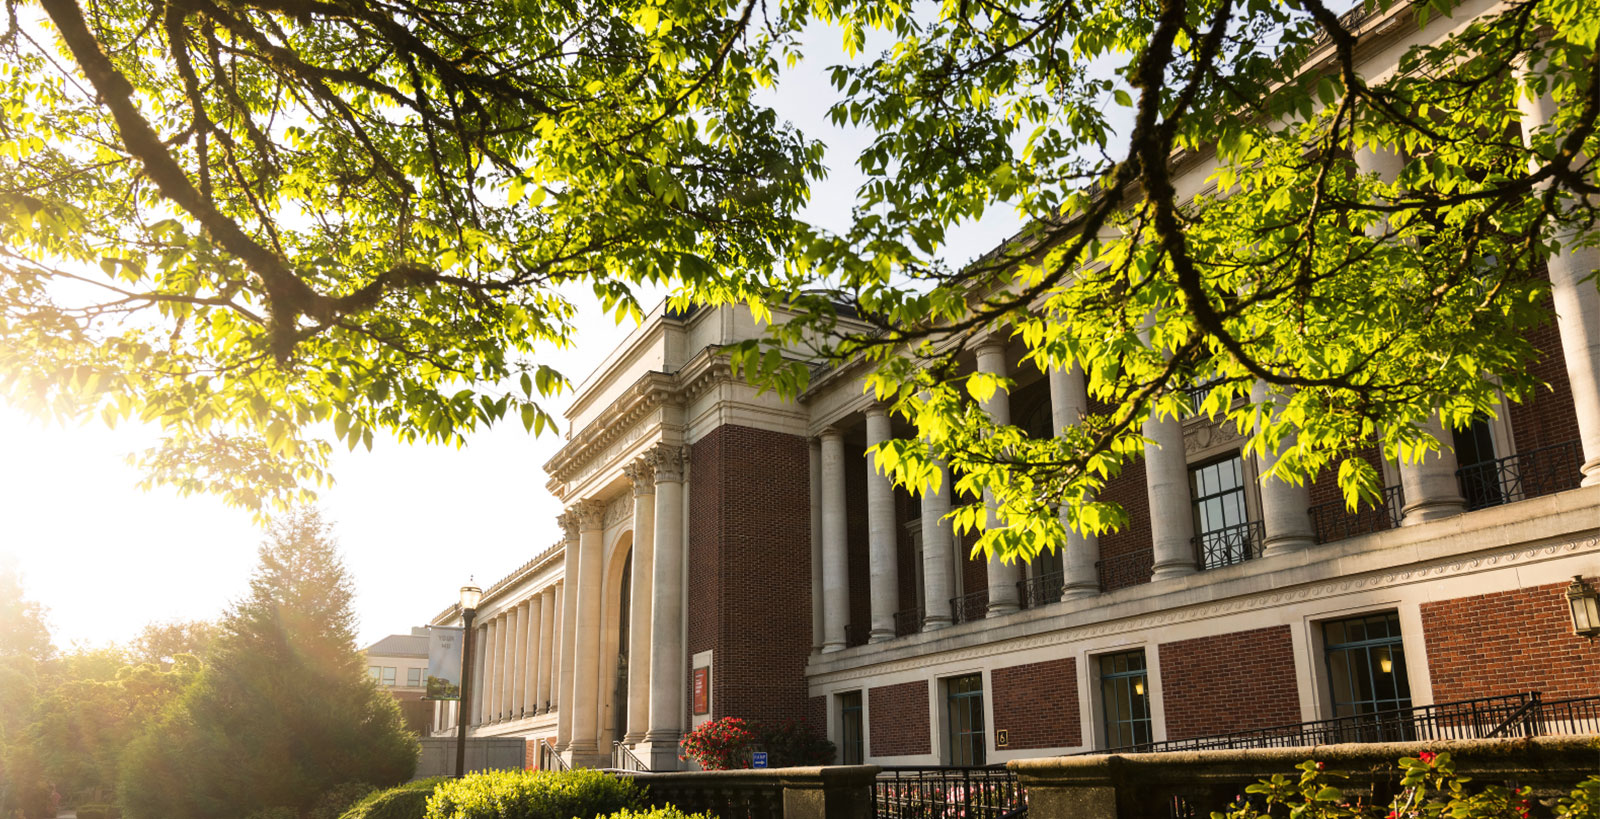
x,y
649,392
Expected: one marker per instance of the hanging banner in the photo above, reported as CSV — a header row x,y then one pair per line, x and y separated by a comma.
x,y
444,663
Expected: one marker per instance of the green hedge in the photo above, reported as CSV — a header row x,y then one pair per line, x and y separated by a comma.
x,y
99,811
408,801
582,794
668,812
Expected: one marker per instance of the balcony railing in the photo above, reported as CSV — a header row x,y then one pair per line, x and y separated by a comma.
x,y
1332,521
907,621
1515,715
1542,471
1037,591
933,793
1126,569
969,607
855,635
1225,547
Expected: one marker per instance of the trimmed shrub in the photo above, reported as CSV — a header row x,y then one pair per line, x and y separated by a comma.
x,y
668,812
408,801
280,812
534,795
338,799
99,811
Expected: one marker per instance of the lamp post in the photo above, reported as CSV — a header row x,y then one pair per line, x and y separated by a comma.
x,y
470,595
1584,604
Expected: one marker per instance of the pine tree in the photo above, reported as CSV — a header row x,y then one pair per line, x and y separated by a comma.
x,y
283,710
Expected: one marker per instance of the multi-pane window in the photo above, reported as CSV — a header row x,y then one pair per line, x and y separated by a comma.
x,y
375,672
1479,474
851,747
1366,665
1221,519
414,677
388,675
964,717
1125,699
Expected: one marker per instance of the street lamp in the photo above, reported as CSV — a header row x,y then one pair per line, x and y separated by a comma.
x,y
470,595
1585,610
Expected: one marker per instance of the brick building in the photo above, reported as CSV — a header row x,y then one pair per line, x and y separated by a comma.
x,y
730,553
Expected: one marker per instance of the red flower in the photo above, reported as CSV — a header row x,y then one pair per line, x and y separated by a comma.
x,y
1320,765
1426,757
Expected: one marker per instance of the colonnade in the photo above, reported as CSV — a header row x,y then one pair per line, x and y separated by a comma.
x,y
514,655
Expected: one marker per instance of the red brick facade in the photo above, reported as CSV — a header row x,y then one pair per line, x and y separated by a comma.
x,y
899,719
750,570
1125,555
1546,417
1507,642
1037,704
1229,682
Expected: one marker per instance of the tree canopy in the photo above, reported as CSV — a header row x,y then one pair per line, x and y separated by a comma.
x,y
244,218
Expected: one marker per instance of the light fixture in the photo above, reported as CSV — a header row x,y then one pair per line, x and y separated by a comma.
x,y
1138,687
470,595
1387,664
1582,601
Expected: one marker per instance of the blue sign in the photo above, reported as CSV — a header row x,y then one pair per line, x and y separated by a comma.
x,y
758,759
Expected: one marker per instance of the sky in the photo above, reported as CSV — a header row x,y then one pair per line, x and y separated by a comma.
x,y
414,522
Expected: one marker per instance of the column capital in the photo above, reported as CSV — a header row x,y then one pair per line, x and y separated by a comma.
x,y
591,514
641,473
990,342
876,409
568,521
830,433
666,460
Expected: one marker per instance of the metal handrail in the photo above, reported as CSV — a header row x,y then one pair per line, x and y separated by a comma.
x,y
1332,521
1230,545
623,759
1524,714
911,792
908,621
1041,589
551,759
1529,474
1122,571
969,607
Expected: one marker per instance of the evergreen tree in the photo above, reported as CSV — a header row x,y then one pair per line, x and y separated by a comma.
x,y
283,709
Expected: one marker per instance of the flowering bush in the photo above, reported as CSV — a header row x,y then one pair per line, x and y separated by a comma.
x,y
727,743
1430,788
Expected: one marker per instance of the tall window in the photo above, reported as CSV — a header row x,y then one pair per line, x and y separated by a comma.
x,y
1478,472
1125,699
964,716
388,675
851,747
1221,521
1366,665
414,677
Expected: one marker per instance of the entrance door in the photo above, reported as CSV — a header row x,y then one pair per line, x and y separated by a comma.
x,y
964,714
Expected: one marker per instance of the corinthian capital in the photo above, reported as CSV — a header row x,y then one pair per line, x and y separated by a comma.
x,y
642,474
667,461
591,514
568,521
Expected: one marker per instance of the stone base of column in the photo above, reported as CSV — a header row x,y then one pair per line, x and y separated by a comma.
x,y
633,738
879,636
587,757
661,754
935,623
1167,571
1414,514
1591,472
1287,544
1073,592
1001,607
829,648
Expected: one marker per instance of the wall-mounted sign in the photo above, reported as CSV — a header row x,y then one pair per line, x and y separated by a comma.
x,y
758,759
702,690
1002,738
444,663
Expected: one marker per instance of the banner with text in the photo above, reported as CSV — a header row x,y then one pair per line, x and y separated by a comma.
x,y
444,663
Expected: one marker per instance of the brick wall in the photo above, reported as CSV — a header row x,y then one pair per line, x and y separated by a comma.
x,y
1546,417
1126,554
899,719
858,555
1229,682
1325,490
817,714
974,570
1037,704
906,509
1507,642
750,569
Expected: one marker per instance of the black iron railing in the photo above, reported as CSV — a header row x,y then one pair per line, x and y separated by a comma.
x,y
1037,591
1515,715
550,760
1332,521
969,607
948,793
1126,569
623,759
907,621
1225,547
1542,471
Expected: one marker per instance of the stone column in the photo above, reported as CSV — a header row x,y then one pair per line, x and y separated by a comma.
x,y
669,665
548,636
1577,307
817,604
835,543
1069,403
883,556
492,686
1167,488
516,637
586,669
642,474
480,667
534,619
1003,576
1285,507
1430,486
567,650
938,553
